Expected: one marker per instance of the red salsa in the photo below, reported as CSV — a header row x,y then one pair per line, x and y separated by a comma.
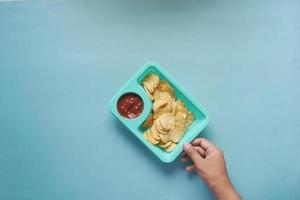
x,y
130,105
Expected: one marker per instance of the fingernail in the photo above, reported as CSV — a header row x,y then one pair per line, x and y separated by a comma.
x,y
186,146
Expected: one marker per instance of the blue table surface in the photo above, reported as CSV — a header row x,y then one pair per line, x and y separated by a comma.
x,y
62,61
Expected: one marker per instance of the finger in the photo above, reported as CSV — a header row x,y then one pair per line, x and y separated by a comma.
x,y
203,143
200,151
193,154
190,168
185,159
198,148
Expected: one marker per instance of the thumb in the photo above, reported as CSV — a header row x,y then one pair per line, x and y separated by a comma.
x,y
193,154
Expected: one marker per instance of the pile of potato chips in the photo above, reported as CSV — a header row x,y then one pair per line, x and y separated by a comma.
x,y
170,117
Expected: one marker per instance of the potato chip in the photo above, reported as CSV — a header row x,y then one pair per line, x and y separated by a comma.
x,y
156,94
170,148
154,78
149,94
164,145
165,87
145,135
148,87
189,119
150,137
155,133
159,127
159,104
163,99
168,108
165,122
180,107
151,82
180,117
164,138
176,134
170,117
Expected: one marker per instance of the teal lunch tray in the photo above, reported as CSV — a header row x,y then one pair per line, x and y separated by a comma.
x,y
134,85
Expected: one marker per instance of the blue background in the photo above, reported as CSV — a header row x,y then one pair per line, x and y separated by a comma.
x,y
62,61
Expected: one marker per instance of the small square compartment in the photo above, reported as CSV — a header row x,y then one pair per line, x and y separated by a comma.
x,y
134,85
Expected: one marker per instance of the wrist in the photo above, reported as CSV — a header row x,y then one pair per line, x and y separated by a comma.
x,y
223,190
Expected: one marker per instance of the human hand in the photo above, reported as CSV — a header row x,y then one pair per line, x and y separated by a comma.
x,y
208,161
